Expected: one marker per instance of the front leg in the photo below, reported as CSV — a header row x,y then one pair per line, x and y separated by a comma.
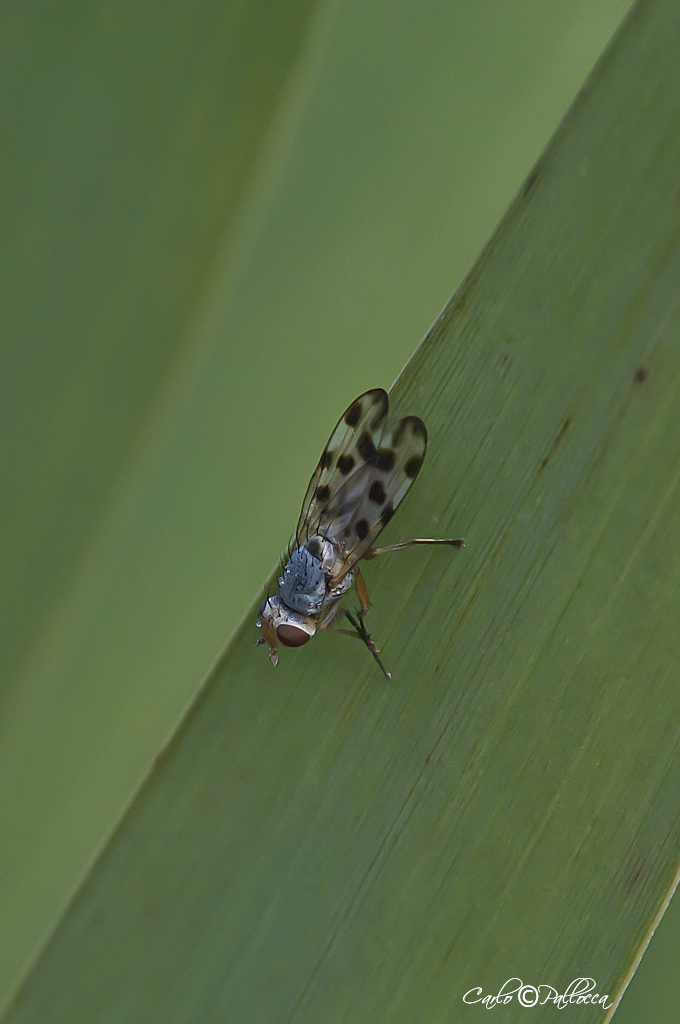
x,y
332,611
362,591
329,615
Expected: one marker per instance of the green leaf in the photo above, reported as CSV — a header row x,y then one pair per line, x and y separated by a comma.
x,y
133,140
318,844
163,402
111,232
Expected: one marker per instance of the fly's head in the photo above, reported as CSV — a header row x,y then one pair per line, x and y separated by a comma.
x,y
281,626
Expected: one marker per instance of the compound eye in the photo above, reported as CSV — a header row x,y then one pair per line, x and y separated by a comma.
x,y
291,636
263,605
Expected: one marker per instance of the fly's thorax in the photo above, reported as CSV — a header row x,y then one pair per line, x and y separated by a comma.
x,y
336,592
304,584
281,626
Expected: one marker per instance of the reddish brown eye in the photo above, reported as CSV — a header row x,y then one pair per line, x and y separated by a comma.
x,y
292,636
263,605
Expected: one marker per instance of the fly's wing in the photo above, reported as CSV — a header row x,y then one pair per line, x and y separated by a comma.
x,y
368,499
340,460
359,484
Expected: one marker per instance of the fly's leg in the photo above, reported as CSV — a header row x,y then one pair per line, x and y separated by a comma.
x,y
362,633
362,591
372,552
329,616
360,630
331,613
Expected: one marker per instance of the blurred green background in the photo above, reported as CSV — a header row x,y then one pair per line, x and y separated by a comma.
x,y
189,192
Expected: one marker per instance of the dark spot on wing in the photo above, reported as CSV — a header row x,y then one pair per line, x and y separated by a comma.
x,y
379,416
327,459
367,449
641,375
414,424
387,513
353,414
346,464
323,493
377,493
314,547
412,467
385,460
362,529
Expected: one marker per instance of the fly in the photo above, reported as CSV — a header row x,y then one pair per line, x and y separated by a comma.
x,y
363,474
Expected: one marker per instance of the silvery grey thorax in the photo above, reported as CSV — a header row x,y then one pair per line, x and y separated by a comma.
x,y
304,585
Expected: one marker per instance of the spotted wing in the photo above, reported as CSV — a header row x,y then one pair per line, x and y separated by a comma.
x,y
378,464
368,499
365,416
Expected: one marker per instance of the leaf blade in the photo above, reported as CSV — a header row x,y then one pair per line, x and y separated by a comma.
x,y
337,787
